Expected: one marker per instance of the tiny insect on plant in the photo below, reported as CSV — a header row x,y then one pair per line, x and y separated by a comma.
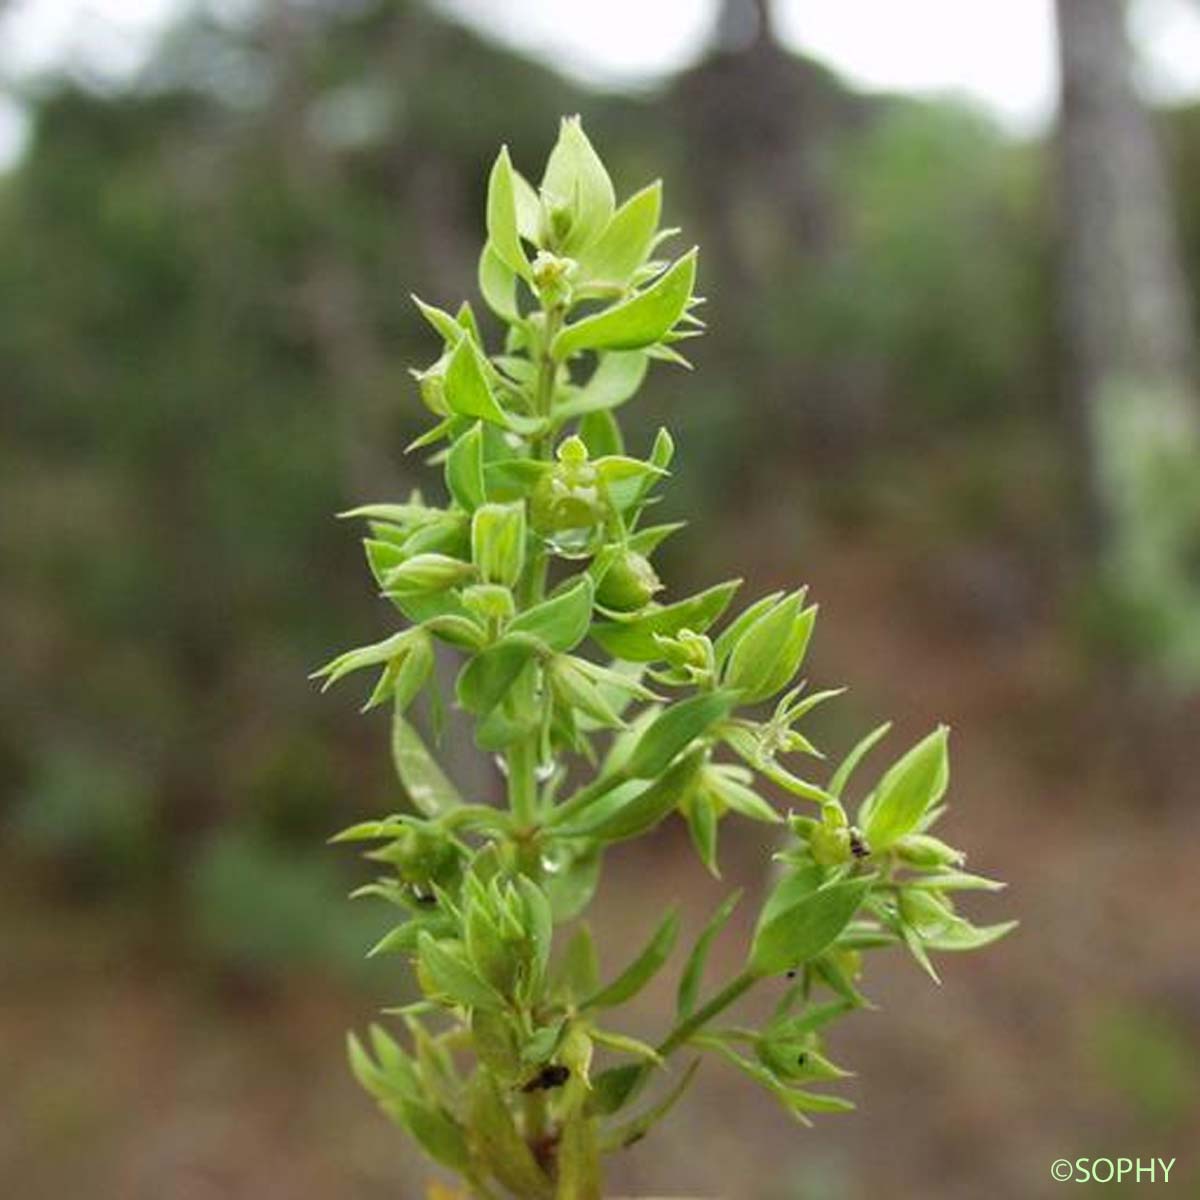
x,y
512,1069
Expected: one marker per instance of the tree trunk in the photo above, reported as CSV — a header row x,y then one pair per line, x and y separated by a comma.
x,y
1127,323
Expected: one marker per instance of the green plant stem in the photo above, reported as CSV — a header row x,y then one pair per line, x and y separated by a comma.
x,y
522,758
732,991
533,1107
522,782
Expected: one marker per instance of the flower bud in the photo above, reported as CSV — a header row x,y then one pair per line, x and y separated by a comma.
x,y
498,542
928,912
432,385
490,601
829,846
921,850
629,584
568,499
427,573
552,278
420,856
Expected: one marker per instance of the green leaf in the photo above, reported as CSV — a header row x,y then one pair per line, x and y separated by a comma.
x,y
913,784
572,887
626,241
700,812
617,377
614,1088
498,285
846,768
634,640
467,390
643,968
562,621
427,786
442,322
529,209
601,434
622,1043
767,656
739,798
575,177
964,936
500,1145
451,975
494,1039
634,1130
693,971
580,970
464,469
642,320
732,632
437,1133
626,812
502,227
539,922
802,930
487,678
674,729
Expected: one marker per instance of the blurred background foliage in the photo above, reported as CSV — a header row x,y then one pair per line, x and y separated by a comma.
x,y
205,332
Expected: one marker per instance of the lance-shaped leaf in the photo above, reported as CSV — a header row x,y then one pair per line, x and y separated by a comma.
x,y
622,1043
496,1043
635,640
798,932
641,321
635,1129
562,621
454,977
441,321
674,729
693,971
964,936
626,241
643,968
427,785
732,633
737,797
498,542
538,923
579,972
374,655
467,390
702,818
487,678
767,656
502,225
498,285
913,784
499,1143
576,179
848,765
616,379
631,810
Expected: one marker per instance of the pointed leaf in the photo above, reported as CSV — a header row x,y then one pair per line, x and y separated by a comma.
x,y
634,640
801,931
641,321
674,729
562,621
915,783
642,969
502,226
693,971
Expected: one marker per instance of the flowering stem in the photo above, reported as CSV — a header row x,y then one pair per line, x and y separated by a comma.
x,y
732,991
